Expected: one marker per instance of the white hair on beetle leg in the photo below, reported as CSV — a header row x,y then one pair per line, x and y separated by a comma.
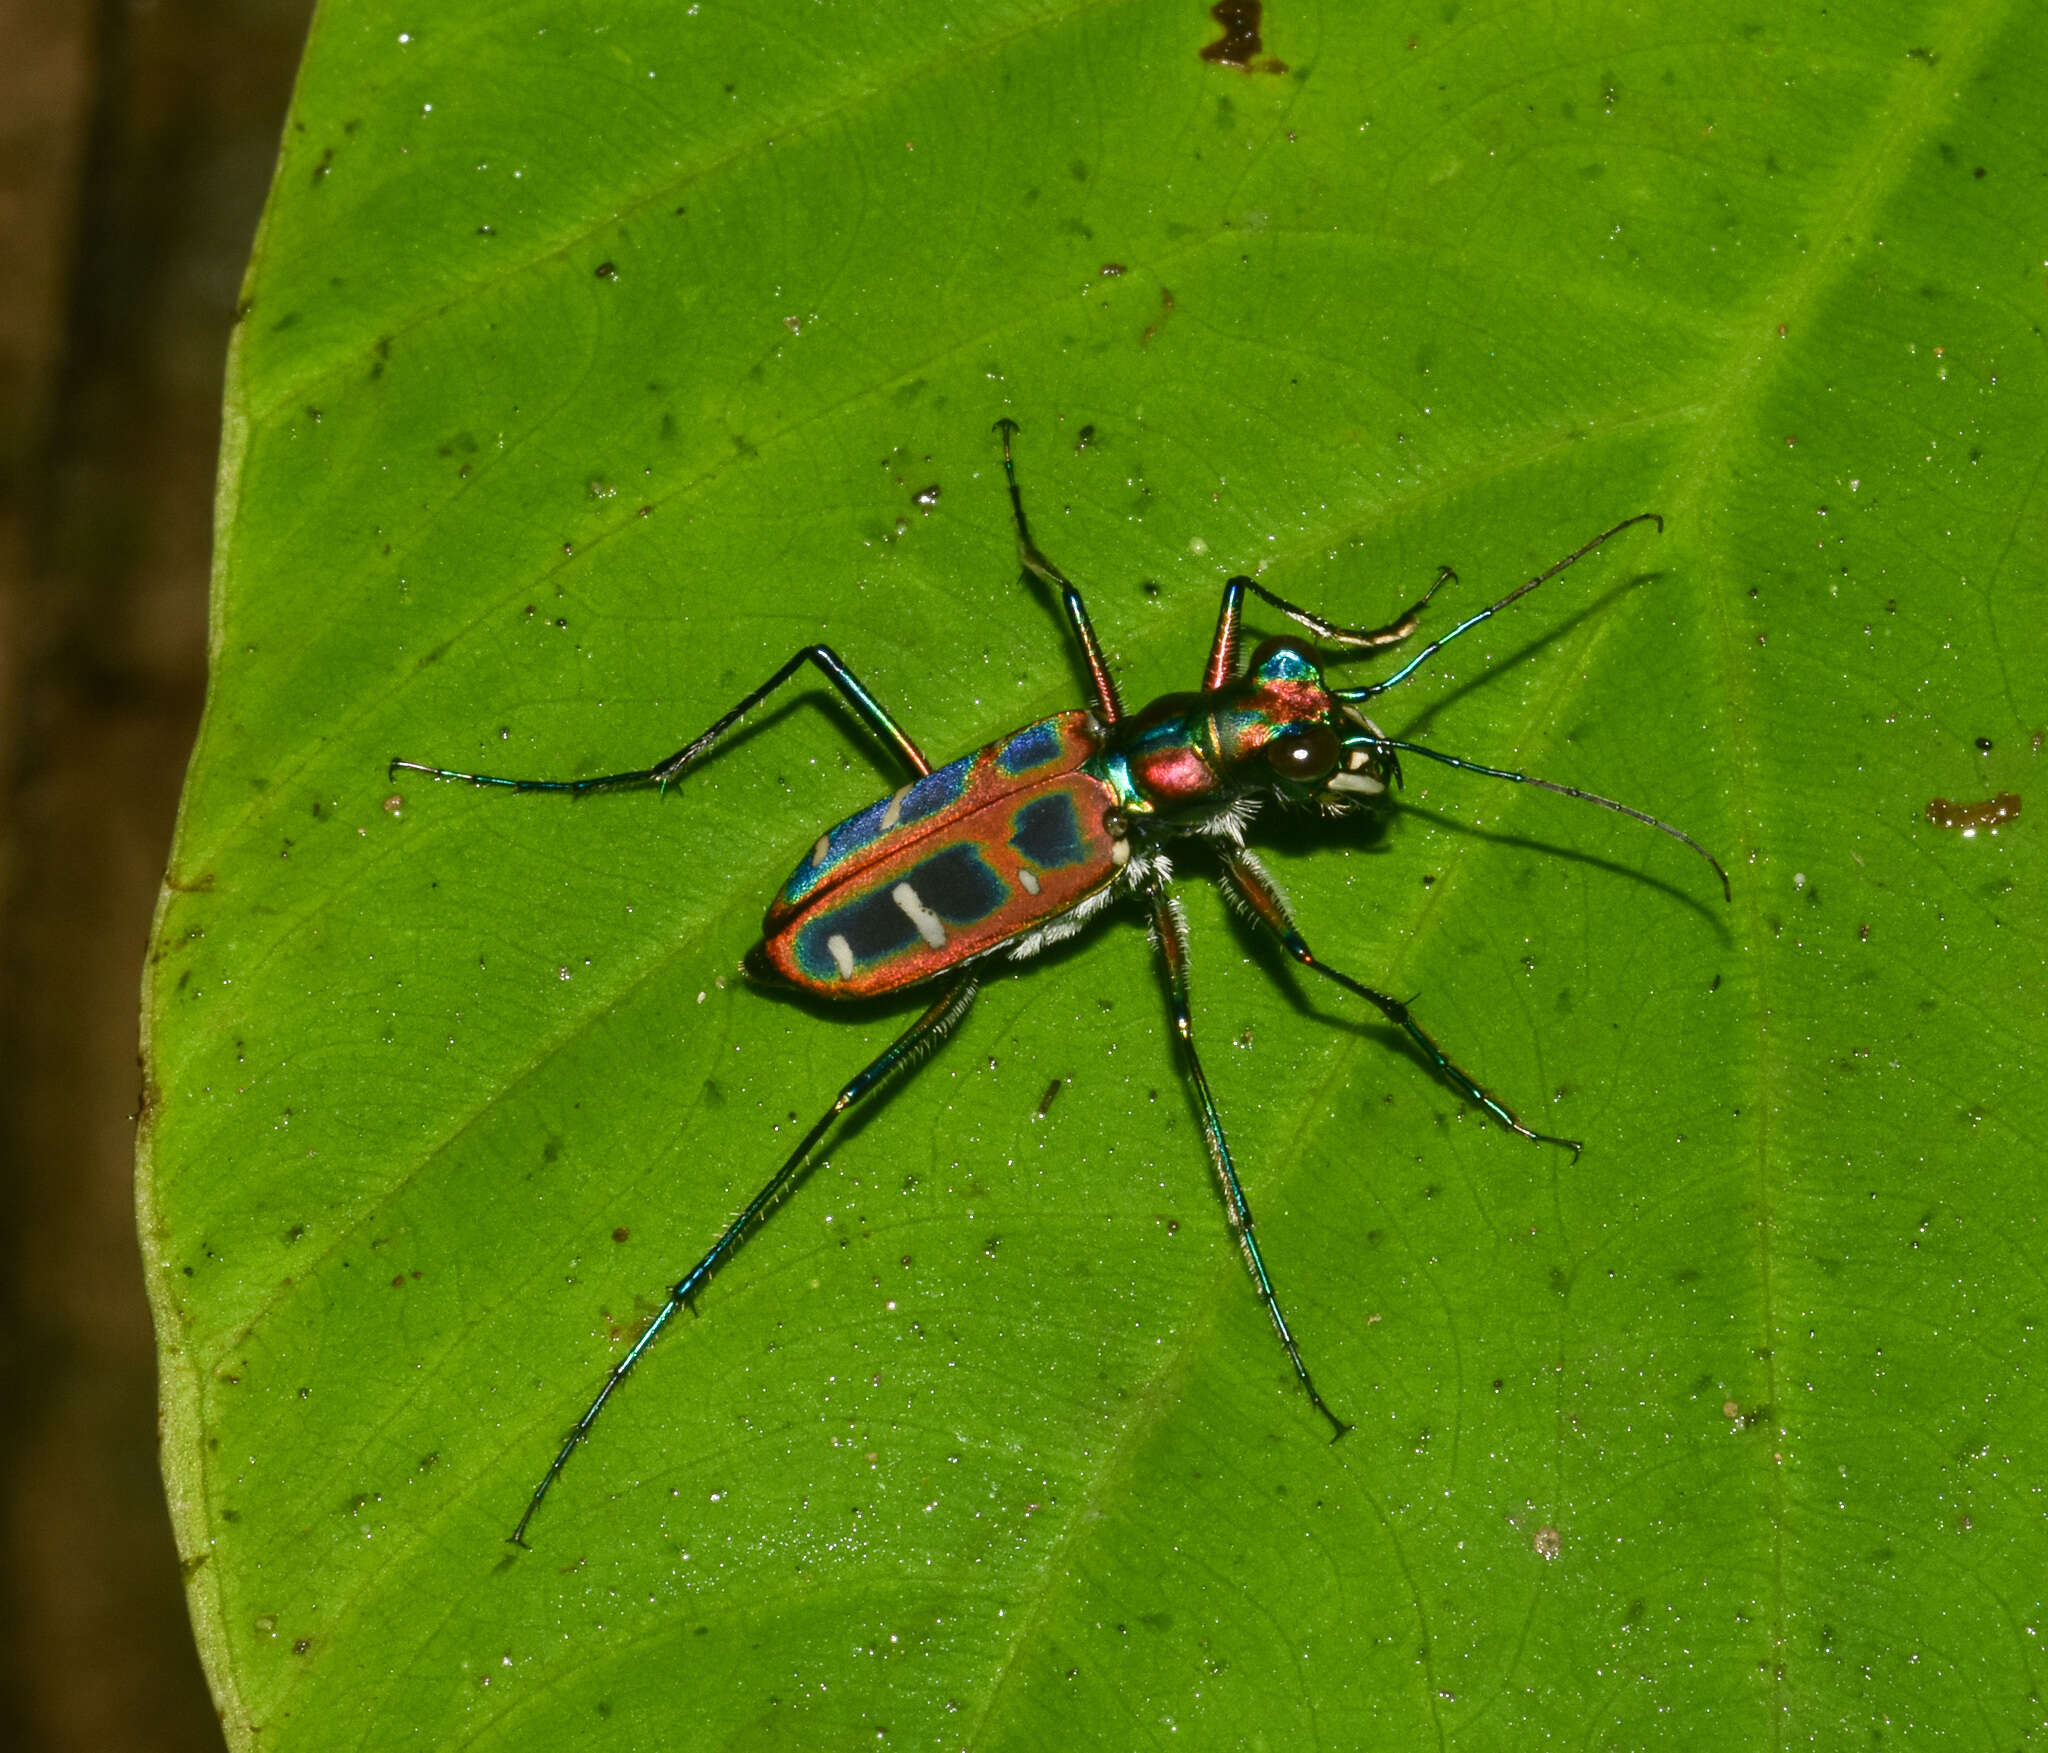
x,y
1264,878
1243,903
1148,870
1177,924
1229,822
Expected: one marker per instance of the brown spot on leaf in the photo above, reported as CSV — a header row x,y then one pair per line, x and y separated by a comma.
x,y
1967,818
1239,45
1165,311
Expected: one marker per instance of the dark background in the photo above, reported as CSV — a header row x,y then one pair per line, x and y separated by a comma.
x,y
136,140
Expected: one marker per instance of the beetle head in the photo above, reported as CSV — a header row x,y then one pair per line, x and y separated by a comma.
x,y
1316,748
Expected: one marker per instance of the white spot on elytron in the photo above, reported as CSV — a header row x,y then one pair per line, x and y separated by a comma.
x,y
823,848
1359,782
1120,850
894,813
1029,881
842,953
929,926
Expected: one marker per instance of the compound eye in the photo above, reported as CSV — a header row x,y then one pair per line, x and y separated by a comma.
x,y
1306,755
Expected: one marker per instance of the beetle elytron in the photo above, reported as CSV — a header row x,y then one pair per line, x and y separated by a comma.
x,y
1022,842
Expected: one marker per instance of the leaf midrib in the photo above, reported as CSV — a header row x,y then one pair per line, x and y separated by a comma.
x,y
1870,179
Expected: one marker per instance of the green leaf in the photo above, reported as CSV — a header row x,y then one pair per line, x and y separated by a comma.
x,y
596,358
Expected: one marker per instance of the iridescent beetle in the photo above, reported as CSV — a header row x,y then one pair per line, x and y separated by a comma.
x,y
1022,842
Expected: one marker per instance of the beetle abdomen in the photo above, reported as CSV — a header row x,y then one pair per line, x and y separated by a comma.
x,y
951,867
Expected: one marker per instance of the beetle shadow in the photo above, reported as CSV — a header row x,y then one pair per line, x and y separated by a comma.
x,y
1289,976
886,1011
899,1010
1299,834
845,723
1467,686
1070,645
1325,1006
1590,860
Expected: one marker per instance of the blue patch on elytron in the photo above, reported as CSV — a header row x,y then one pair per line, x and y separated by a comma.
x,y
874,928
956,884
1031,747
929,795
849,836
1048,832
935,791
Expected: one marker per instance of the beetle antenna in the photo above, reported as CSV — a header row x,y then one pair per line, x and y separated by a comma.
x,y
1606,803
1465,626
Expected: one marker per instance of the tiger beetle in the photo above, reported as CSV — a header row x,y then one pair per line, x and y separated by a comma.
x,y
1023,842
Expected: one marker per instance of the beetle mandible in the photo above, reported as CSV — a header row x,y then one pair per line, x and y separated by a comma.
x,y
1024,841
